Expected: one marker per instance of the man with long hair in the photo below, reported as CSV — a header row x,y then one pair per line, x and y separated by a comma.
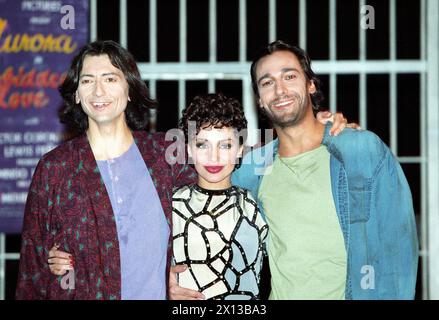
x,y
104,196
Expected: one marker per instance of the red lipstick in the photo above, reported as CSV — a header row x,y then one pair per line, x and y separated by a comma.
x,y
214,169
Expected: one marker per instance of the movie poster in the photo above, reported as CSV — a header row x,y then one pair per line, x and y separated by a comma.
x,y
37,42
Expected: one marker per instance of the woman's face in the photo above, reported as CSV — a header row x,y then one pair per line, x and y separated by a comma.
x,y
215,153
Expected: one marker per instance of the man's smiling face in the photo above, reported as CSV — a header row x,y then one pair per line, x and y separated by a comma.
x,y
284,91
102,91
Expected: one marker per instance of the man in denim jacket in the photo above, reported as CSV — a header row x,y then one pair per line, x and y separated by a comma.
x,y
339,208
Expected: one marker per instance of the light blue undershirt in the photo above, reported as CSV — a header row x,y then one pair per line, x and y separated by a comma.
x,y
142,229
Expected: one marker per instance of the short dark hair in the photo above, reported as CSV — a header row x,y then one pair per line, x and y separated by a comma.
x,y
137,110
213,110
305,62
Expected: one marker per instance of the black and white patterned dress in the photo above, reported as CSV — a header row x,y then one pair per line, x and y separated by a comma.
x,y
220,235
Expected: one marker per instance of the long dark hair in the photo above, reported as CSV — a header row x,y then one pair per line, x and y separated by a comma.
x,y
137,110
305,62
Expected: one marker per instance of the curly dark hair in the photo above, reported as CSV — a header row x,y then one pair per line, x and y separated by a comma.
x,y
137,110
305,62
213,110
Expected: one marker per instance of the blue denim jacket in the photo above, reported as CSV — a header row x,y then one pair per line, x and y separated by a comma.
x,y
374,207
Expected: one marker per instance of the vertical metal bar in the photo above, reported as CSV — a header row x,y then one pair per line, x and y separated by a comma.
x,y
362,75
2,265
271,20
302,24
424,177
181,96
362,35
153,88
393,114
392,27
153,31
242,30
250,111
153,55
333,53
183,31
212,31
393,81
183,56
212,41
153,112
93,20
333,92
363,100
423,27
332,30
247,98
123,39
211,87
433,146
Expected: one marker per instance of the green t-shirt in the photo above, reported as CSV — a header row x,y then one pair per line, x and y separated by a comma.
x,y
306,248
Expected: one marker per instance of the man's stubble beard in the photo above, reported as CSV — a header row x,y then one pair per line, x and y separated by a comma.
x,y
291,118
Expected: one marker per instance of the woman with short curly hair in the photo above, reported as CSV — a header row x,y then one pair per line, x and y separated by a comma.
x,y
218,231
